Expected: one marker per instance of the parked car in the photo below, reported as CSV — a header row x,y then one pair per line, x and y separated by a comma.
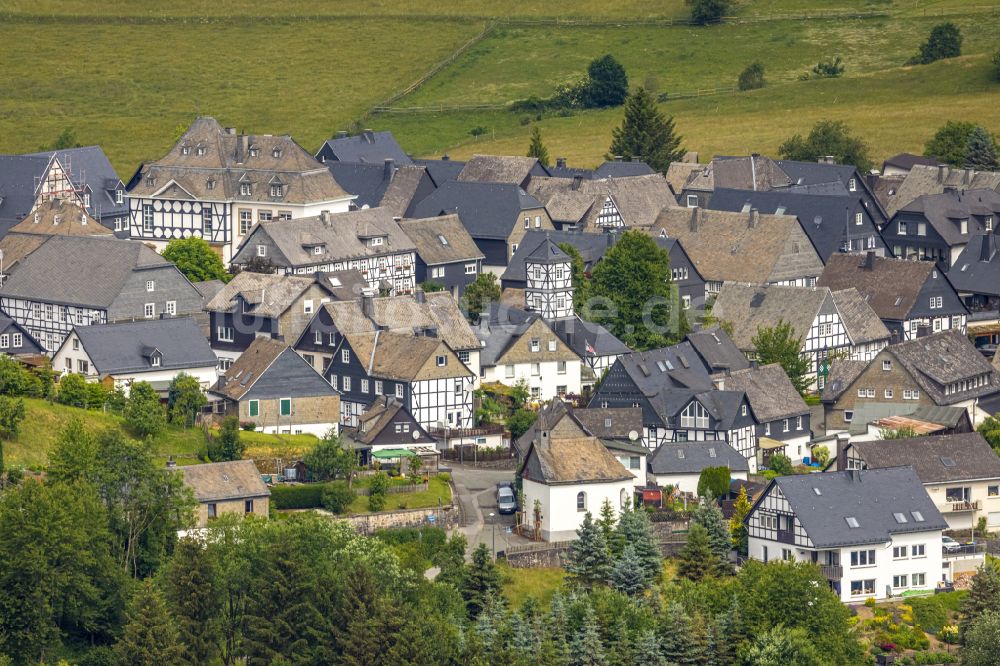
x,y
950,544
506,500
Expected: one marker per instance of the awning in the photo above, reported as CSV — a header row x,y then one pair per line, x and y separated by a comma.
x,y
768,444
392,454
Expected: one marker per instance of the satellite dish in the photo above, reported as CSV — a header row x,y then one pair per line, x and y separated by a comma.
x,y
633,435
416,435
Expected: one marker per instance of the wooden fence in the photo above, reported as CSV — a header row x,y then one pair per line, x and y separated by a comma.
x,y
393,490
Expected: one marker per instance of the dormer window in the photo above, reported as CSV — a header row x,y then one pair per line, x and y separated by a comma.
x,y
318,250
56,219
210,184
86,199
852,185
155,360
245,189
119,196
377,240
964,225
185,150
277,190
276,152
151,181
201,150
37,218
254,151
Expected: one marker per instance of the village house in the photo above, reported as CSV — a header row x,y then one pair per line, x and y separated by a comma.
x,y
961,472
620,430
680,464
421,371
975,275
937,227
942,370
16,341
153,351
446,254
923,179
272,387
220,488
254,305
873,533
599,205
388,185
369,240
720,244
912,298
216,184
60,217
82,280
366,147
716,350
899,165
829,323
387,426
508,169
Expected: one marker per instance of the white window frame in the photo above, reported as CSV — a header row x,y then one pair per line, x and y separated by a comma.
x,y
149,310
171,308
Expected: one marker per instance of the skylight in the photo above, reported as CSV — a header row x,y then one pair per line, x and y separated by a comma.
x,y
900,517
711,452
680,454
661,365
917,516
444,241
817,490
947,462
852,522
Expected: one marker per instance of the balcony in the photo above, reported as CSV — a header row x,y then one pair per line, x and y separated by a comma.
x,y
832,571
964,551
962,507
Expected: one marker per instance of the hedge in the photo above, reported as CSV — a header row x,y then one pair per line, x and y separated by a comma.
x,y
298,496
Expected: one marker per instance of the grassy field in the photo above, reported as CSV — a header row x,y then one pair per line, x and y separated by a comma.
x,y
438,493
539,583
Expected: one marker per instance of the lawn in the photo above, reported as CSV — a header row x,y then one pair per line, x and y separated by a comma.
x,y
539,583
438,493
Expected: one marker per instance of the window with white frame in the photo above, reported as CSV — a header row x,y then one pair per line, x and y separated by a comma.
x,y
470,269
147,217
561,367
207,222
887,393
899,552
245,189
399,390
4,341
17,340
552,345
171,308
441,360
345,356
694,416
224,333
899,580
437,272
246,221
261,251
887,365
364,386
536,345
858,218
347,383
378,387
863,558
508,371
918,550
536,369
936,302
277,190
149,310
852,185
692,201
150,285
862,587
307,306
264,216
918,579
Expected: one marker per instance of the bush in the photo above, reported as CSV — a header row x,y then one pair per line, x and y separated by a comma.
x,y
752,77
708,11
945,41
299,496
932,612
144,415
996,65
828,69
781,465
249,426
11,415
337,496
73,390
714,480
97,395
378,489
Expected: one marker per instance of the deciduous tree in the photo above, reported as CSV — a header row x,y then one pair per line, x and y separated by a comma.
x,y
704,12
945,41
477,296
184,399
228,444
950,143
646,133
779,344
984,595
196,259
737,528
144,414
330,459
752,77
606,85
828,137
980,646
73,390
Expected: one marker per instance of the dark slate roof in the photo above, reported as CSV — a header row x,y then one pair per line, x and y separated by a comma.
x,y
367,181
813,173
935,458
79,270
977,269
488,210
693,457
937,360
8,325
269,369
717,350
824,218
587,338
674,367
122,348
590,246
234,480
618,169
769,391
871,497
370,147
18,175
547,251
88,166
443,170
908,161
943,211
611,423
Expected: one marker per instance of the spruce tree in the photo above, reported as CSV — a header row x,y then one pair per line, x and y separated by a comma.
x,y
648,651
193,595
709,515
984,595
676,636
697,561
537,149
635,528
150,637
981,153
555,637
587,649
646,133
606,522
629,576
619,651
481,580
589,562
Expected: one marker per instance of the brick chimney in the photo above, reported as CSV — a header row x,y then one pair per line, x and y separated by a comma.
x,y
754,218
561,162
368,136
695,219
388,168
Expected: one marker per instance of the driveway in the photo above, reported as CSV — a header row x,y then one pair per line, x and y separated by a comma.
x,y
476,489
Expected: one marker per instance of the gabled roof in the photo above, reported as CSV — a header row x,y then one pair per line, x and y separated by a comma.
x,y
88,167
870,497
344,285
611,422
269,370
19,176
380,414
217,482
935,458
843,372
366,147
673,367
441,240
693,457
501,169
638,199
622,169
443,170
9,325
741,247
717,350
749,309
770,392
555,461
269,293
248,368
16,247
587,338
754,172
126,347
860,321
60,217
590,246
80,270
399,356
908,160
944,211
937,360
977,269
505,327
889,286
388,185
487,210
933,179
341,235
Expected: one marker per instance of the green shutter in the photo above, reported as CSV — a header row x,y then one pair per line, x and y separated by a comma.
x,y
254,408
286,406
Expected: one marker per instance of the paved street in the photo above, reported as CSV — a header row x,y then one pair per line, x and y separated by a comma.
x,y
476,490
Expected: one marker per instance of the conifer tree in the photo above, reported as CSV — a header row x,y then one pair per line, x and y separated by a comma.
x,y
709,515
635,528
537,149
646,133
587,649
555,640
628,575
606,522
150,637
737,528
697,561
481,580
648,651
589,562
676,636
193,596
981,153
619,650
984,595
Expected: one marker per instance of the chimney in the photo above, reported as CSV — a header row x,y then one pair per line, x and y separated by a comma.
x,y
445,157
388,168
230,131
368,302
341,134
754,218
986,249
869,263
484,322
324,217
369,136
967,176
827,159
695,219
577,181
942,173
843,439
950,189
561,162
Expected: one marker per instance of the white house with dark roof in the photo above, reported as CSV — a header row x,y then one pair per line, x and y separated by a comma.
x,y
680,464
873,533
153,351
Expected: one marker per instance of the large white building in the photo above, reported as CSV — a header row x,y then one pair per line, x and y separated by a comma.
x,y
216,184
873,533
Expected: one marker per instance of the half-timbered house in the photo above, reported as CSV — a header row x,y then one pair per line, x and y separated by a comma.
x,y
873,533
216,184
369,241
446,254
599,205
386,425
549,281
